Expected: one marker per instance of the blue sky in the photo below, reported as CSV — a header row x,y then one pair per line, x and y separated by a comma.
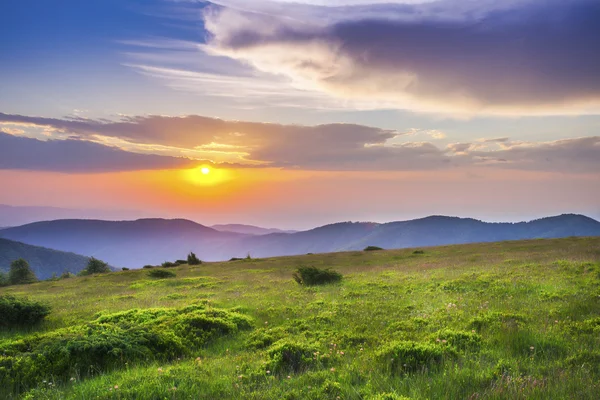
x,y
354,86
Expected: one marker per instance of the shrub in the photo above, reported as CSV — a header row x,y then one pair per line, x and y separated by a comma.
x,y
148,266
181,262
95,266
290,356
168,264
3,279
236,259
21,312
161,274
460,340
110,341
418,252
66,275
408,356
372,248
20,273
125,269
314,276
193,260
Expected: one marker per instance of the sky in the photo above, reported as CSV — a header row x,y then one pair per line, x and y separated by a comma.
x,y
302,113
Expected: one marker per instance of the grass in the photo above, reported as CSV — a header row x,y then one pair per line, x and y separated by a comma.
x,y
511,320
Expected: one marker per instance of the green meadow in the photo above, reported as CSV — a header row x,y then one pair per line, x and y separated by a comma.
x,y
510,320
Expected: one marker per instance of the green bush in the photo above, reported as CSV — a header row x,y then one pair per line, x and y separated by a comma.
x,y
460,340
66,275
3,279
314,276
95,266
193,260
161,274
110,341
148,266
124,269
180,262
21,273
409,356
372,248
168,264
290,356
17,312
418,252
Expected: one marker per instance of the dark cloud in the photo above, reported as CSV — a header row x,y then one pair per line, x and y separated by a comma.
x,y
333,147
524,57
77,156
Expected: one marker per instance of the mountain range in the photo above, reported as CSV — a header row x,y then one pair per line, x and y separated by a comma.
x,y
152,241
44,262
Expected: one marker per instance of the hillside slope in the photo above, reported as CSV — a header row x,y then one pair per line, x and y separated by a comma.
x,y
508,320
43,261
152,241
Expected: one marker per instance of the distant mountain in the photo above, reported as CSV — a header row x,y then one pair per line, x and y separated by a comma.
x,y
20,215
152,241
248,229
130,244
44,262
430,231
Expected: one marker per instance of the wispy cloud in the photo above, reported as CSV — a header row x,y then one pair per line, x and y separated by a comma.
x,y
331,147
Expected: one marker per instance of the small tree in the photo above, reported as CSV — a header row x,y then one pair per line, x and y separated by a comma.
x,y
3,279
96,266
193,260
21,273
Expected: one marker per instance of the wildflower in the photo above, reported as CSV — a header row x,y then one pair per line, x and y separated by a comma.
x,y
341,352
444,341
72,379
240,376
174,388
472,330
160,370
289,377
531,348
268,372
437,340
332,369
116,386
361,349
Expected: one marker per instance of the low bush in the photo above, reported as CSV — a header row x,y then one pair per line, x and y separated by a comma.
x,y
193,260
66,275
17,312
372,248
288,356
460,340
3,279
418,252
168,264
110,341
161,274
236,259
181,262
408,356
124,269
315,276
95,266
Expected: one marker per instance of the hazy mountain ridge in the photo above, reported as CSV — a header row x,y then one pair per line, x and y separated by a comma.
x,y
248,229
43,261
152,241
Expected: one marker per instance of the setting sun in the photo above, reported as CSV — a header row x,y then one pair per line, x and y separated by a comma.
x,y
205,171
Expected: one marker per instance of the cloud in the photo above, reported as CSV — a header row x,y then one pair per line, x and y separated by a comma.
x,y
518,57
77,156
331,147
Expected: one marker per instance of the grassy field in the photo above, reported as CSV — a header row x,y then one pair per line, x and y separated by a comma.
x,y
511,320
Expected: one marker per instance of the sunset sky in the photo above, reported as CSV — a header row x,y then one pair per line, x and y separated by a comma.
x,y
304,112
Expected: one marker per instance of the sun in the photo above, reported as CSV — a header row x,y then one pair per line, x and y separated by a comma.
x,y
205,170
